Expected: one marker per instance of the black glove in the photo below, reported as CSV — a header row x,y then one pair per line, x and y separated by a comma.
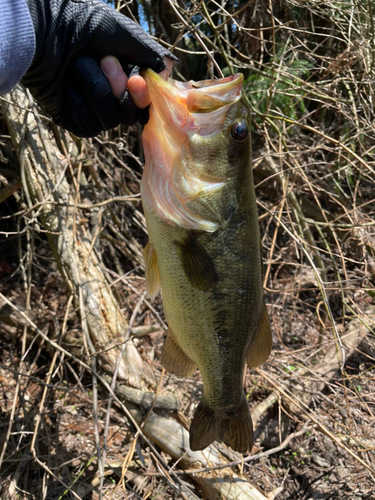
x,y
72,36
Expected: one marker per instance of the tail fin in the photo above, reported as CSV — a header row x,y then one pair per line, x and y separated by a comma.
x,y
232,425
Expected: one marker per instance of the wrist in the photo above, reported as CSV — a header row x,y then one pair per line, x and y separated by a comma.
x,y
17,45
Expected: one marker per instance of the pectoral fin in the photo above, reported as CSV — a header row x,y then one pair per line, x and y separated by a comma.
x,y
198,266
152,270
261,347
174,359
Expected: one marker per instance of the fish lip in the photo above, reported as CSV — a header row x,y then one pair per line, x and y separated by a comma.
x,y
149,73
227,90
226,82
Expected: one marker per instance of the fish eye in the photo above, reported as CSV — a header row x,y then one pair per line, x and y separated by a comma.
x,y
239,131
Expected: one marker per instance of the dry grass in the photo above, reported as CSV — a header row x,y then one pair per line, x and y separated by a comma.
x,y
309,71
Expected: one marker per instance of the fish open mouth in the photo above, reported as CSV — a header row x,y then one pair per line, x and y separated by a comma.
x,y
205,96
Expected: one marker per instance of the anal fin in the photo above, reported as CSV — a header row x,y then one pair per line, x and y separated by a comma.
x,y
174,359
152,270
262,345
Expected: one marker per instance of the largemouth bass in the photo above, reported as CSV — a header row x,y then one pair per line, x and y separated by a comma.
x,y
204,249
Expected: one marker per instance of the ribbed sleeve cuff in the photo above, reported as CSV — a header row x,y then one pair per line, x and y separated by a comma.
x,y
17,42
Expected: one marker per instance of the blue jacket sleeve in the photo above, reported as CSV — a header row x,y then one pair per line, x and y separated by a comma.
x,y
17,42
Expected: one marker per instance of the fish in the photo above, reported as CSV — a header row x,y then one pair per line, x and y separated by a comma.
x,y
204,249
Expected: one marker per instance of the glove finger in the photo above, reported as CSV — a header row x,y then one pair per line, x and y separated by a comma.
x,y
92,104
128,110
130,113
143,115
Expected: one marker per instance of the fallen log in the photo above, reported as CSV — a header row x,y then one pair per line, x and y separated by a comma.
x,y
145,400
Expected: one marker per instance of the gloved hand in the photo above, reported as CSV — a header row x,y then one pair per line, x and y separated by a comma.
x,y
72,36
